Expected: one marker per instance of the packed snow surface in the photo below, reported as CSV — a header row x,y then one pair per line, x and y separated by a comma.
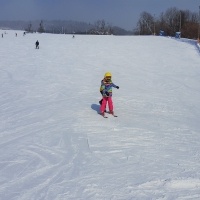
x,y
55,146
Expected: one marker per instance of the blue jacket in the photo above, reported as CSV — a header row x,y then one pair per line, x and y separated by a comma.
x,y
107,87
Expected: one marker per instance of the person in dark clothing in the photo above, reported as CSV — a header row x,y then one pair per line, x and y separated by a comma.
x,y
37,44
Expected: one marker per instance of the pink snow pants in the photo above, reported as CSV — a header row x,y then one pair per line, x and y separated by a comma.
x,y
104,102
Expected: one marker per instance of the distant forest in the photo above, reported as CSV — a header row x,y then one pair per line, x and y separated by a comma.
x,y
100,27
169,22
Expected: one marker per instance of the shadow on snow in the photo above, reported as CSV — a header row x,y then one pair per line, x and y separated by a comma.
x,y
95,107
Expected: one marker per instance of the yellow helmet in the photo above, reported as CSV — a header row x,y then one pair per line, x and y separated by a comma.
x,y
107,74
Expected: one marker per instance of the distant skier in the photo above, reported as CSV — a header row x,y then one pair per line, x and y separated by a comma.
x,y
2,35
37,45
106,91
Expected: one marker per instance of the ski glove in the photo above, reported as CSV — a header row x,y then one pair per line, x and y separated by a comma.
x,y
107,94
117,87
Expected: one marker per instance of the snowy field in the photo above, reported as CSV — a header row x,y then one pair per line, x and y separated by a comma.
x,y
55,146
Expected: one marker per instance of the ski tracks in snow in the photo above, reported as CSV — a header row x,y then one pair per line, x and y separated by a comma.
x,y
54,146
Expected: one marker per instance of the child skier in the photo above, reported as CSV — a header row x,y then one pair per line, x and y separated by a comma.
x,y
106,91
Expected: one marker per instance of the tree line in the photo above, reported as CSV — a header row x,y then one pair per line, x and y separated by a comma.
x,y
171,21
100,27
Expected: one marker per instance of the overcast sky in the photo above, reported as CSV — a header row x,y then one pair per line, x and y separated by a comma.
x,y
122,13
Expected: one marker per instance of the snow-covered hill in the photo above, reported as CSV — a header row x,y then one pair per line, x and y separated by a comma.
x,y
54,145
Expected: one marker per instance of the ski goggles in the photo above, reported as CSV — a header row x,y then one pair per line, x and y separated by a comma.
x,y
108,77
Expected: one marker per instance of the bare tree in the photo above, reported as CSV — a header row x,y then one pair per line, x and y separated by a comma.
x,y
100,28
145,24
171,21
29,28
41,27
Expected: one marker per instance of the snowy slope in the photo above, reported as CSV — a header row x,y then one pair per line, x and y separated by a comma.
x,y
54,145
